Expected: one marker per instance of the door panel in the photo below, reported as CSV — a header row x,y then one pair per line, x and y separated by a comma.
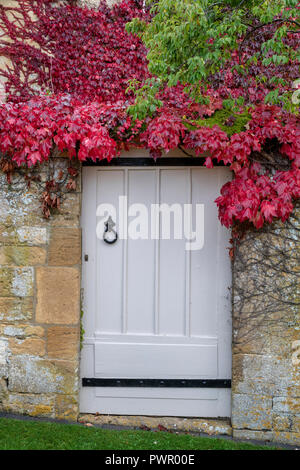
x,y
155,361
109,276
140,287
174,189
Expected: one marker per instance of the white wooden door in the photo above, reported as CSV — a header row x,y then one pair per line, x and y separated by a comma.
x,y
152,308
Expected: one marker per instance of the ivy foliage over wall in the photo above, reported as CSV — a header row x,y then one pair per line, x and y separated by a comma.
x,y
78,81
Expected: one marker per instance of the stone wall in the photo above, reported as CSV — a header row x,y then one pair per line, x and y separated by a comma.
x,y
266,319
39,303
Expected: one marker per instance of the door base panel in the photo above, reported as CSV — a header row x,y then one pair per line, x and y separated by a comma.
x,y
191,402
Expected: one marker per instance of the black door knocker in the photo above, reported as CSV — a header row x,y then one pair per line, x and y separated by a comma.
x,y
109,224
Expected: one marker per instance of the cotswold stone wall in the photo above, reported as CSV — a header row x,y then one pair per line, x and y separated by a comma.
x,y
39,302
266,320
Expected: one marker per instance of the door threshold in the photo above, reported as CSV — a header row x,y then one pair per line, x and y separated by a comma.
x,y
220,426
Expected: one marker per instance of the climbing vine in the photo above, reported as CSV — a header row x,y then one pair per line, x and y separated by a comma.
x,y
71,80
266,294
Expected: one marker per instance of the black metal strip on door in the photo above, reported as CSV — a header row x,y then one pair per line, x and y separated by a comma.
x,y
157,383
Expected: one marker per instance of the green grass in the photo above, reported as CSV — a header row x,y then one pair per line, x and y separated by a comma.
x,y
36,435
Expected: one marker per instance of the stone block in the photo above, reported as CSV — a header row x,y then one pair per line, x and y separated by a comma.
x,y
65,247
286,404
32,405
37,375
69,213
58,295
252,412
247,434
281,423
21,331
16,282
12,331
8,235
30,346
13,309
66,407
261,374
19,211
32,236
296,423
3,391
290,438
22,256
3,357
67,377
63,342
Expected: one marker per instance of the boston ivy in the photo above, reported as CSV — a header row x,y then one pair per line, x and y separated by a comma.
x,y
69,85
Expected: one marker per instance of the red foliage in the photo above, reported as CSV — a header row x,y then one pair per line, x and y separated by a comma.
x,y
67,87
256,194
29,130
67,49
164,132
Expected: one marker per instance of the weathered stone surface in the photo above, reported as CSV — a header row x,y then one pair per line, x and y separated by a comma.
x,y
3,357
195,425
261,374
69,214
33,236
67,377
11,331
63,342
58,294
33,405
3,391
296,424
20,209
66,407
252,412
8,235
13,309
268,436
23,236
246,434
281,423
41,376
31,346
16,282
286,404
65,247
22,256
22,331
287,437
